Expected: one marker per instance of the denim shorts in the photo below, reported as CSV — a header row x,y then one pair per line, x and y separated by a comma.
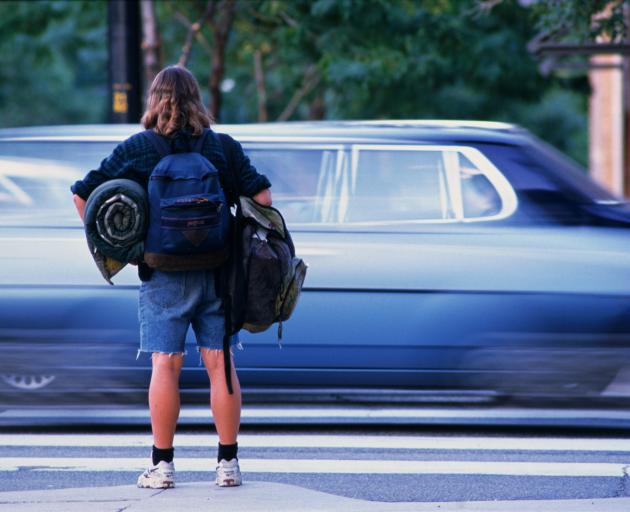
x,y
170,302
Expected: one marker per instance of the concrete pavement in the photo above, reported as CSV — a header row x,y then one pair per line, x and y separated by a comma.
x,y
256,496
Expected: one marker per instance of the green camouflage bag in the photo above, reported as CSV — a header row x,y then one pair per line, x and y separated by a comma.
x,y
273,274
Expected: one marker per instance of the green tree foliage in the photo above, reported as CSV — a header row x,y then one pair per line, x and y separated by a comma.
x,y
407,59
332,59
583,20
53,62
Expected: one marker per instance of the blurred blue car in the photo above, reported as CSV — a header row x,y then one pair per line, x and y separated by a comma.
x,y
448,261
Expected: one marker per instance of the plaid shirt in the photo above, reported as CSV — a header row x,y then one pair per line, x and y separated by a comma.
x,y
136,157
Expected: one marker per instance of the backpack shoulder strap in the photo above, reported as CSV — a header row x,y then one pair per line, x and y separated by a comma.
x,y
232,302
197,146
160,144
223,140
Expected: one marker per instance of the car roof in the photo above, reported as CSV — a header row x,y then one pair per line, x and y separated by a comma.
x,y
329,131
36,168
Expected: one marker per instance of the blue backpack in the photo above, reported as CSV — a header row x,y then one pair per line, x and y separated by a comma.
x,y
189,216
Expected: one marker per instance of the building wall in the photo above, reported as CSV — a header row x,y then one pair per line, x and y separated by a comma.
x,y
606,123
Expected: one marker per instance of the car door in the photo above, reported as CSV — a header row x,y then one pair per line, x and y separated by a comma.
x,y
359,320
417,279
59,319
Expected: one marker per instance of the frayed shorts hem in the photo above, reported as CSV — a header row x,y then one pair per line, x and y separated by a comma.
x,y
234,342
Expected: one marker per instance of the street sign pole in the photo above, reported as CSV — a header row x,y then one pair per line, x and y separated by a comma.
x,y
124,39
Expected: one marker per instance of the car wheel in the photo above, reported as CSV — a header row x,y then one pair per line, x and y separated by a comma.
x,y
27,382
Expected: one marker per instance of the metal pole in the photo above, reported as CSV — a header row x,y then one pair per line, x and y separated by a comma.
x,y
124,37
626,112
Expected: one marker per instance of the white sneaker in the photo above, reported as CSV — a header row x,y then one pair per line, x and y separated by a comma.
x,y
160,476
228,473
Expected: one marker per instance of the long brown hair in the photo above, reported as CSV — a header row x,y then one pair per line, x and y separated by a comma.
x,y
174,103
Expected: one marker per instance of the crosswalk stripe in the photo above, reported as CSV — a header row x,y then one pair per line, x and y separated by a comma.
x,y
329,466
315,413
555,444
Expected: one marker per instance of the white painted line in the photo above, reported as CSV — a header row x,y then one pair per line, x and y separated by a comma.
x,y
416,412
526,444
263,412
39,239
415,467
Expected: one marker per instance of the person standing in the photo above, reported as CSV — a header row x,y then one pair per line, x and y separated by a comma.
x,y
171,302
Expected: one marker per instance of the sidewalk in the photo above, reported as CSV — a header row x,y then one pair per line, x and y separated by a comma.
x,y
261,497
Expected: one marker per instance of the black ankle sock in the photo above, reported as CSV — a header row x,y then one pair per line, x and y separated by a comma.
x,y
227,451
165,454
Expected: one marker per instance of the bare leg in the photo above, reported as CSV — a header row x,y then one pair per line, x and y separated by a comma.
x,y
226,408
164,397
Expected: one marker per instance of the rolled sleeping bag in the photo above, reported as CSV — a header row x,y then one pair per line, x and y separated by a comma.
x,y
116,221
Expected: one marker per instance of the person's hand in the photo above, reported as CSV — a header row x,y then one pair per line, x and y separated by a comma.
x,y
263,197
80,204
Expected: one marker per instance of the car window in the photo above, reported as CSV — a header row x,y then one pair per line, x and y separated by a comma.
x,y
425,184
303,180
391,185
479,197
369,184
312,184
35,179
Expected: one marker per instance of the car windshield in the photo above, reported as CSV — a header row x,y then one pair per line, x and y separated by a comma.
x,y
569,176
35,179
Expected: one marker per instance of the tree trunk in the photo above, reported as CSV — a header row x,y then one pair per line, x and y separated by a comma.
x,y
260,87
193,30
151,43
317,108
309,82
221,27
